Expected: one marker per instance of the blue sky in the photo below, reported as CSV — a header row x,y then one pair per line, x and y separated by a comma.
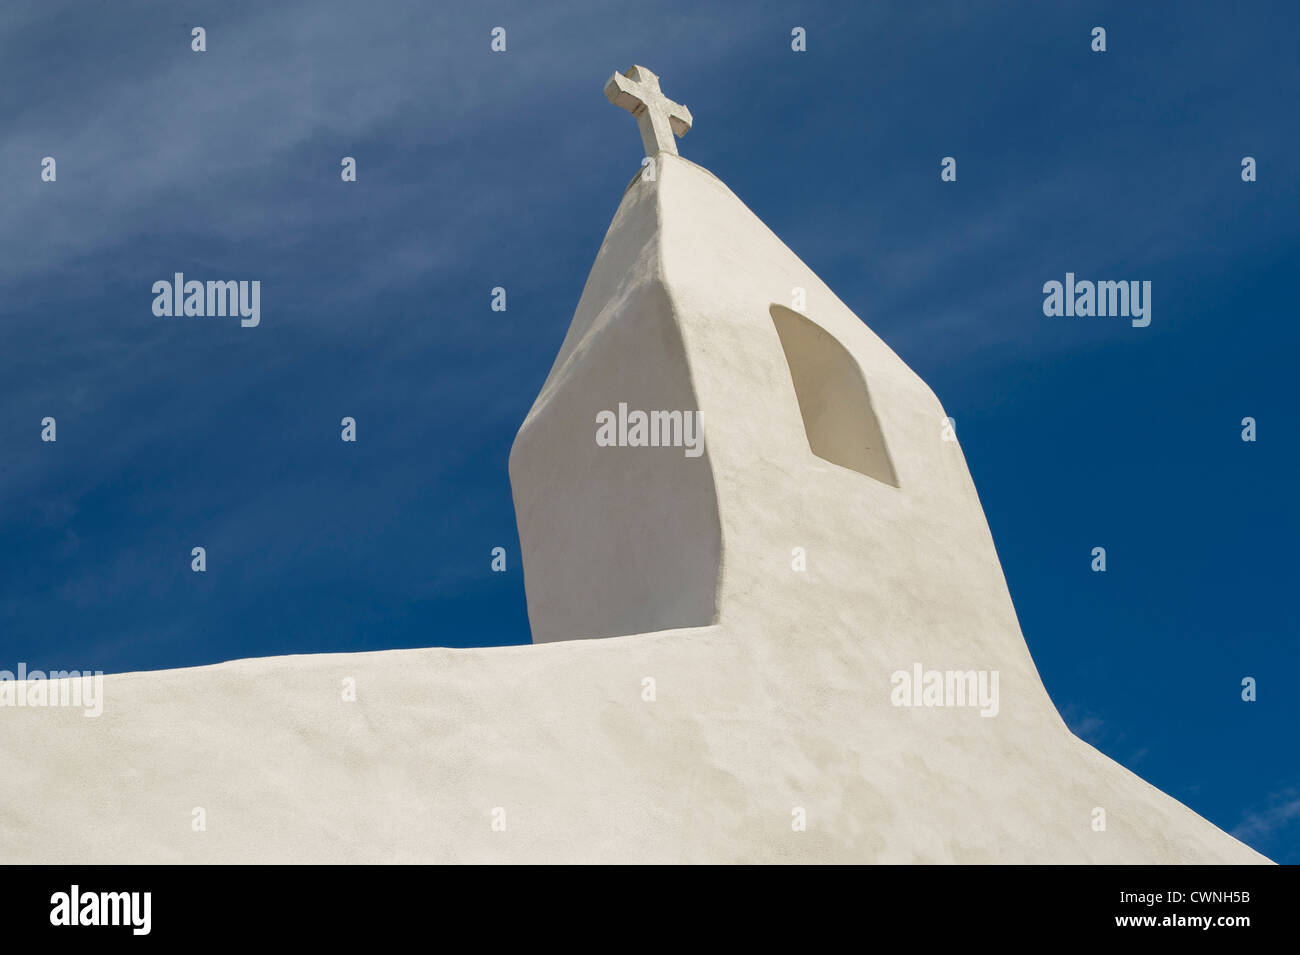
x,y
478,169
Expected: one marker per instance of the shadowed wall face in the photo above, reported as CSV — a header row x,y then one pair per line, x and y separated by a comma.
x,y
618,526
837,415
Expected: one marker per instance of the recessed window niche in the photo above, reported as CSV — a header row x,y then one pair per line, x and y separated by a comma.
x,y
833,399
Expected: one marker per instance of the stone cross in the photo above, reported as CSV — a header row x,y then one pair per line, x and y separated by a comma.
x,y
659,118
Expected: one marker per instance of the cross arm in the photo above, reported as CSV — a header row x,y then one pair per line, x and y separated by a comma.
x,y
622,92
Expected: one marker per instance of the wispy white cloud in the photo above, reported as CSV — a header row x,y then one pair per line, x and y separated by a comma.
x,y
1280,811
1086,725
